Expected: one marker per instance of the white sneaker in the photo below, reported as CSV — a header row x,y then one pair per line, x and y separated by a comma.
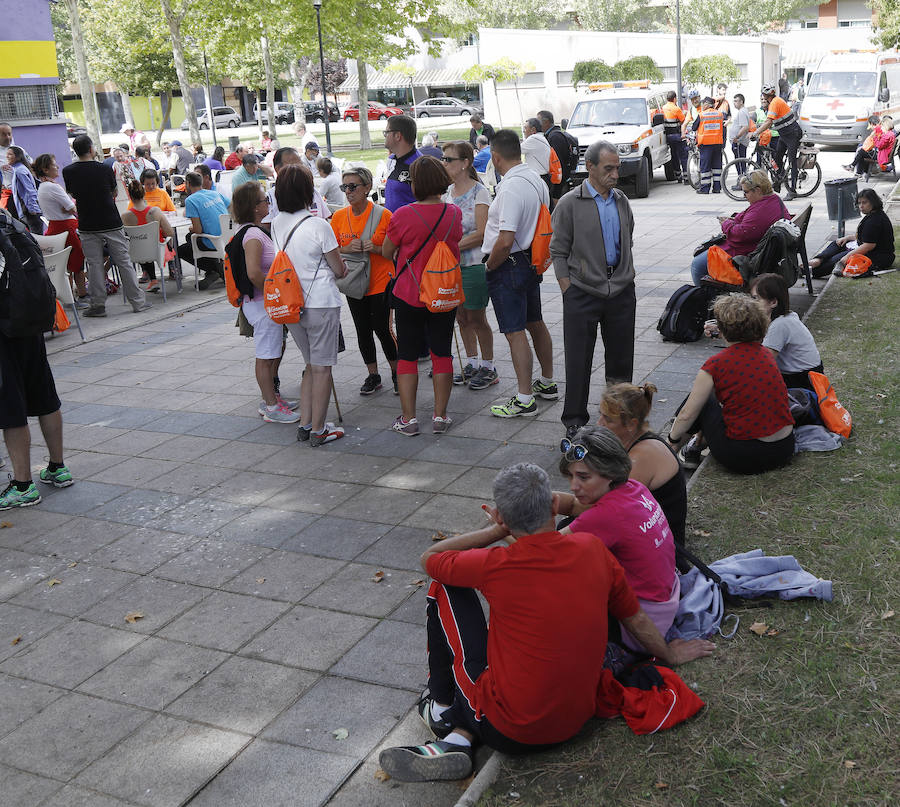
x,y
330,434
280,414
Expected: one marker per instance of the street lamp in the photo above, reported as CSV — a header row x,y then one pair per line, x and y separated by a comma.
x,y
318,6
678,49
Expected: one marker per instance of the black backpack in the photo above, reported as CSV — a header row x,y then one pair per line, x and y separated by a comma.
x,y
237,262
572,162
684,315
27,295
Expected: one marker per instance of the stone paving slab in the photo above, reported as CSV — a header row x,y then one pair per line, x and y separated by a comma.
x,y
253,558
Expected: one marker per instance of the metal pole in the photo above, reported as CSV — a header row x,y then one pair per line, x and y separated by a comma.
x,y
318,5
678,49
212,117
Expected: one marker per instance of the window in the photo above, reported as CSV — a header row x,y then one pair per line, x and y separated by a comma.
x,y
528,80
32,102
563,78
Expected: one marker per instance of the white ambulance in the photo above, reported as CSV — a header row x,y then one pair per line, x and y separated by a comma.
x,y
847,87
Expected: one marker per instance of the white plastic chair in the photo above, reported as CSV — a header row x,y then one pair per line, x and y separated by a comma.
x,y
200,251
144,247
228,226
223,183
55,263
51,243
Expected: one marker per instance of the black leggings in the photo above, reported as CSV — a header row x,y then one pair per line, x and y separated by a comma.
x,y
371,316
740,456
801,380
420,330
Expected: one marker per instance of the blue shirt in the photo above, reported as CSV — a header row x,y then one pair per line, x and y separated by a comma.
x,y
398,188
482,158
206,206
609,223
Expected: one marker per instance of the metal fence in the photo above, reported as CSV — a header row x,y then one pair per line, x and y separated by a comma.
x,y
35,102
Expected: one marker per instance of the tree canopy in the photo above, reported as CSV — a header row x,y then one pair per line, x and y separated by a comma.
x,y
708,70
634,69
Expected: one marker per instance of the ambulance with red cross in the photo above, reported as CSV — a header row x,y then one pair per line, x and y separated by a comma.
x,y
846,88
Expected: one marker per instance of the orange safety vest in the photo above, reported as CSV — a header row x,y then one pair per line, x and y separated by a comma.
x,y
781,114
673,116
710,131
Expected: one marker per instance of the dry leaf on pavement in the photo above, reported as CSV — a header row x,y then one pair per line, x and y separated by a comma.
x,y
54,582
382,776
133,616
16,640
260,579
73,564
340,734
5,524
377,577
420,582
439,536
759,628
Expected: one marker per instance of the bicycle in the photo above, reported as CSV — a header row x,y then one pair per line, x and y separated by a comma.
x,y
693,160
809,172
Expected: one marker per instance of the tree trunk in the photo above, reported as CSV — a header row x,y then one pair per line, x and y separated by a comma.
x,y
518,100
91,120
126,107
497,96
164,106
365,139
259,120
270,83
174,20
300,77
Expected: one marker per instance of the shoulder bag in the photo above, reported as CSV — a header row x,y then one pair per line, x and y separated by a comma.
x,y
355,284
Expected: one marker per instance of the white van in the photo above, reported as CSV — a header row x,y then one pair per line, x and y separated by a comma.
x,y
845,89
629,115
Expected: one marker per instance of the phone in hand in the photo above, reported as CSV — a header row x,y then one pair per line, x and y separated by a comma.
x,y
711,328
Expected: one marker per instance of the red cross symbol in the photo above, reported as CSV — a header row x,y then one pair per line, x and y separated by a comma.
x,y
835,104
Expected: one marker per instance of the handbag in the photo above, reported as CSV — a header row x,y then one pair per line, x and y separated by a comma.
x,y
355,284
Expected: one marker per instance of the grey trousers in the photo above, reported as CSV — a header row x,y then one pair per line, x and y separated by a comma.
x,y
582,314
117,244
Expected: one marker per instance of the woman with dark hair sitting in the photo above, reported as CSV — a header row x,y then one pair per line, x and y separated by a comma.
x,y
623,514
788,338
739,402
141,212
215,162
874,238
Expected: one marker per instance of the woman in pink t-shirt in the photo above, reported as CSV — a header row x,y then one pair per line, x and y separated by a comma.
x,y
623,514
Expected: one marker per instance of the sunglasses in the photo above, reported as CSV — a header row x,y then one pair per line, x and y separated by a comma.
x,y
451,159
351,186
574,452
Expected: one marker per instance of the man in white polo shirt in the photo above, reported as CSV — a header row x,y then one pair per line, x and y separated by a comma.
x,y
536,150
513,284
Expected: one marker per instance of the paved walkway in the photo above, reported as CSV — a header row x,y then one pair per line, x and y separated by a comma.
x,y
195,619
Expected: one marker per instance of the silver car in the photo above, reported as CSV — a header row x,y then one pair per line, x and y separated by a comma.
x,y
443,107
224,115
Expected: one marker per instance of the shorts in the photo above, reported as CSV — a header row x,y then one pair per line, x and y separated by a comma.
x,y
317,335
268,336
27,388
515,292
475,287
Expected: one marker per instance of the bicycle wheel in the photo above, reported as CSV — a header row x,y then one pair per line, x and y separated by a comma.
x,y
808,180
694,170
732,172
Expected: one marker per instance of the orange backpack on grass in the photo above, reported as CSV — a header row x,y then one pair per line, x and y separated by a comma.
x,y
834,416
282,292
440,288
857,265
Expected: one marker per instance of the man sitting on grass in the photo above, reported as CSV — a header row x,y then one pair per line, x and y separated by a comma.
x,y
531,681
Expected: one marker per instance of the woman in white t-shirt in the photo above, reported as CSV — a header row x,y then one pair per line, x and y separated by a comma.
x,y
59,209
313,250
788,338
473,199
330,184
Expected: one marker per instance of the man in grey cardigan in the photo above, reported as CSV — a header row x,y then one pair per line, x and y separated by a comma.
x,y
593,231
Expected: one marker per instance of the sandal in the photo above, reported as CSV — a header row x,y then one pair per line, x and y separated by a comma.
x,y
153,286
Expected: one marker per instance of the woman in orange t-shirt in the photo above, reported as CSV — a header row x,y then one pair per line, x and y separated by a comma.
x,y
155,196
371,314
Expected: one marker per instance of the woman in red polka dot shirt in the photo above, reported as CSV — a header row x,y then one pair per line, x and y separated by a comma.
x,y
739,403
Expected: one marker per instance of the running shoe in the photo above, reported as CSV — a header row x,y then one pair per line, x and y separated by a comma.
x,y
514,408
60,478
440,728
13,497
280,414
439,425
410,427
435,761
330,434
287,402
484,378
371,384
303,433
466,375
690,454
549,392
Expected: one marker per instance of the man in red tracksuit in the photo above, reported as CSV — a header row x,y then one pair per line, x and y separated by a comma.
x,y
530,681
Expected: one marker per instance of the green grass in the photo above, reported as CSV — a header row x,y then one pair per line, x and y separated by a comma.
x,y
808,716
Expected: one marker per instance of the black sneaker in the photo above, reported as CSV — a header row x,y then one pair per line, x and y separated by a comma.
x,y
371,384
208,280
691,455
439,728
431,762
549,392
95,311
466,375
303,433
394,382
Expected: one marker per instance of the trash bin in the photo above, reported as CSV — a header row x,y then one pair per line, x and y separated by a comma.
x,y
840,196
234,141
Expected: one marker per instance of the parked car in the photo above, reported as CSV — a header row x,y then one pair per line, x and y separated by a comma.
x,y
224,116
437,107
377,111
73,129
314,112
284,112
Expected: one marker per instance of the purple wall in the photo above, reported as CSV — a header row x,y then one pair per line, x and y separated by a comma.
x,y
26,20
40,139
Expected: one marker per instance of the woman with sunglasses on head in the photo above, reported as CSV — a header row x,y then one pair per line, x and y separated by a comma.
x,y
371,314
473,199
744,230
625,411
623,514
